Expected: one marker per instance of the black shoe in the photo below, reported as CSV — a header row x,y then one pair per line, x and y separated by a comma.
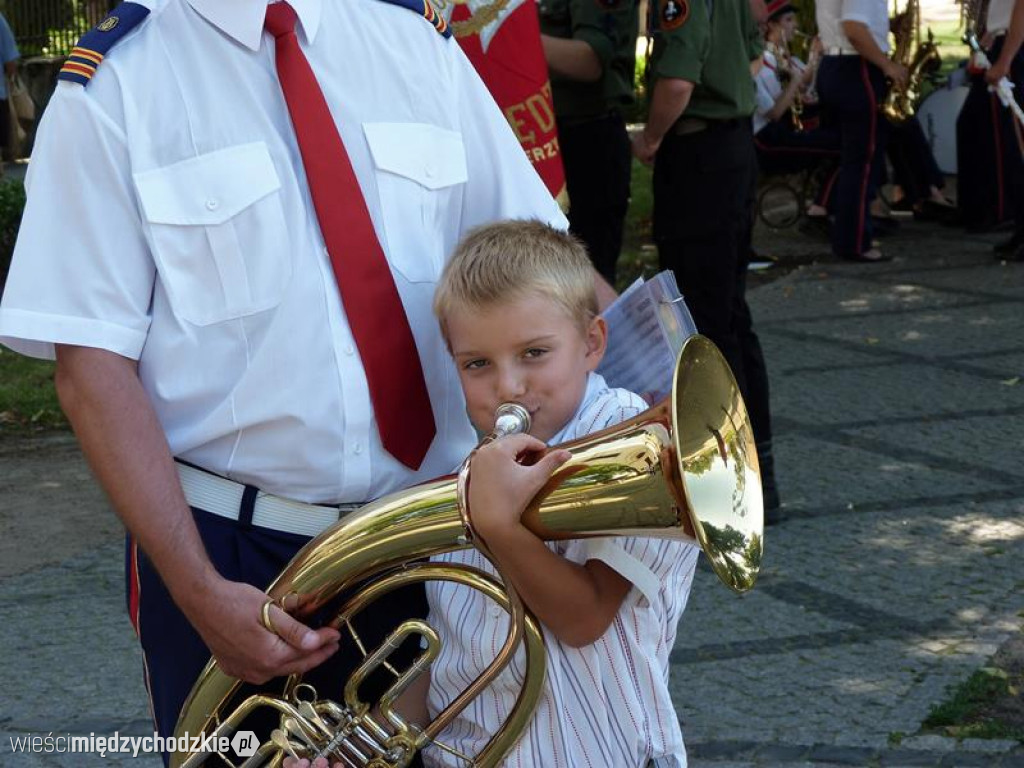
x,y
1017,255
769,491
872,256
1010,244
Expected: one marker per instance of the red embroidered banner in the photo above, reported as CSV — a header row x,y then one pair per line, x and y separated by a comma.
x,y
502,39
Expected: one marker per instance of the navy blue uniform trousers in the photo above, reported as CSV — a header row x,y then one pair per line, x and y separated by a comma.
x,y
990,172
850,91
173,651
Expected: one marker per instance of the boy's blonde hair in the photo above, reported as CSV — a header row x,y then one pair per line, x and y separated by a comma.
x,y
512,259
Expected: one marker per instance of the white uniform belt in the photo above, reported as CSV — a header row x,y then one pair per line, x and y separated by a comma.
x,y
838,50
223,497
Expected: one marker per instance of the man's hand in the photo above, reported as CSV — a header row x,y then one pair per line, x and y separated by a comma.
x,y
644,149
500,486
997,71
896,72
228,619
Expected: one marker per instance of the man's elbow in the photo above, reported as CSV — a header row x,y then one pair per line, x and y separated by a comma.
x,y
676,88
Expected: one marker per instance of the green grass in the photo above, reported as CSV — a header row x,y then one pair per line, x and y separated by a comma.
x,y
982,708
28,401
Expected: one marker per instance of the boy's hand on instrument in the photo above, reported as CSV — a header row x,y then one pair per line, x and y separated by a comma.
x,y
504,479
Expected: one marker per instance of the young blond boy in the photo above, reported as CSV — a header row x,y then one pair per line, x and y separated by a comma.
x,y
517,308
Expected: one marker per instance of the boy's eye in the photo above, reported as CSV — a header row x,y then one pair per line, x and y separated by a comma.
x,y
472,365
535,352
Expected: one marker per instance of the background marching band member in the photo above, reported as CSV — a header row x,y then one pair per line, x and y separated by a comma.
x,y
785,140
1008,61
699,136
590,49
851,85
989,164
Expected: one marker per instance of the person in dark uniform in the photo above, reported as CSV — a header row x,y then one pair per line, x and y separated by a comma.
x,y
1006,22
590,47
851,86
699,136
988,160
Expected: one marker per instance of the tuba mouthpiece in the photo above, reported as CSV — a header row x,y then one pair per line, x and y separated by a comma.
x,y
510,419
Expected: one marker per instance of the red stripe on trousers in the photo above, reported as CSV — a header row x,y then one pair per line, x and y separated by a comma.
x,y
873,111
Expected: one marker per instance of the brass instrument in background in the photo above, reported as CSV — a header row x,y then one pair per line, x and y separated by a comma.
x,y
684,469
973,17
787,71
920,58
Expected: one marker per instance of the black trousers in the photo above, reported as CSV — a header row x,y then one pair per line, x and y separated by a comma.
x,y
851,90
175,654
704,185
597,158
990,172
913,164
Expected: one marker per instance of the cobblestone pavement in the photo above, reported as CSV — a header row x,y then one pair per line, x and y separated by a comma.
x,y
897,571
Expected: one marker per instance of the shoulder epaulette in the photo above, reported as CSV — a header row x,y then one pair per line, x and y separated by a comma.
x,y
88,53
427,10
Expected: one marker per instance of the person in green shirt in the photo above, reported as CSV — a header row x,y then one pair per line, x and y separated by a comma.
x,y
699,136
590,47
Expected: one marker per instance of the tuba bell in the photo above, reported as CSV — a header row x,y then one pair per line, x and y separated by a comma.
x,y
684,469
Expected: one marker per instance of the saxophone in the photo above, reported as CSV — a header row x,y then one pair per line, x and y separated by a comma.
x,y
920,58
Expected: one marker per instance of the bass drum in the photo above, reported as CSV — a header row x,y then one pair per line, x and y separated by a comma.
x,y
938,113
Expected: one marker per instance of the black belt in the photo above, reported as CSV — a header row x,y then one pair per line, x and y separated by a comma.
x,y
685,126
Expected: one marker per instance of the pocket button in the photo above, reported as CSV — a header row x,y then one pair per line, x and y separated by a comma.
x,y
212,205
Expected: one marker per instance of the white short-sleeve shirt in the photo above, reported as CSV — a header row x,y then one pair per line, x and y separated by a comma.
x,y
169,221
997,20
768,86
606,704
830,14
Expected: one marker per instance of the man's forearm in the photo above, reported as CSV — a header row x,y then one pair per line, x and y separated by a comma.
x,y
573,59
1014,35
124,444
669,100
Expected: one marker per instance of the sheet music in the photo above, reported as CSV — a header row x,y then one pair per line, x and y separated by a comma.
x,y
647,326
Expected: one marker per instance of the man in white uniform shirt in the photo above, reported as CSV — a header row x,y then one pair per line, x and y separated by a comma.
x,y
171,258
852,84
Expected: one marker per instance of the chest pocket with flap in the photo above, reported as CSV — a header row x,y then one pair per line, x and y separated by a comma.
x,y
218,233
420,172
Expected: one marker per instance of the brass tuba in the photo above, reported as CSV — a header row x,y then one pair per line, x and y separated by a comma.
x,y
684,469
920,58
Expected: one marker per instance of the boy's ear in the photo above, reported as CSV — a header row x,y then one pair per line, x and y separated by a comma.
x,y
597,342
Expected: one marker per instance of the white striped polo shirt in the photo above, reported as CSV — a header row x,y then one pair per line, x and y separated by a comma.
x,y
603,705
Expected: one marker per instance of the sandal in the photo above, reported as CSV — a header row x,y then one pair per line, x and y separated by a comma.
x,y
873,256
